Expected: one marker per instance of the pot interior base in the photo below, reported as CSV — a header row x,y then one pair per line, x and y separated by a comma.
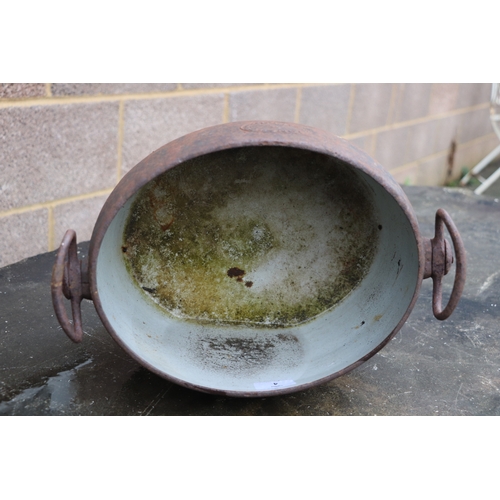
x,y
252,236
332,257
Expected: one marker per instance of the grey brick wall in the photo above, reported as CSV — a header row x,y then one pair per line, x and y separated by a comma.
x,y
64,146
53,152
149,124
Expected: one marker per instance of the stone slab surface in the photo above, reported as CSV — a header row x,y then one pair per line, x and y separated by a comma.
x,y
429,368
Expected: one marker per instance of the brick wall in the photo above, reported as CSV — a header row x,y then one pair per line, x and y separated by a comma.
x,y
63,147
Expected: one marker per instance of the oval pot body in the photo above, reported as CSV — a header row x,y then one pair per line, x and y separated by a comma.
x,y
255,258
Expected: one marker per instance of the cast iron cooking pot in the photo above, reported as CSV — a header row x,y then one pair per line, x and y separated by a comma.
x,y
255,259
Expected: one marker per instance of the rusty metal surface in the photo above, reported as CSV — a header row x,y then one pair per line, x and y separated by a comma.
x,y
67,282
442,259
235,135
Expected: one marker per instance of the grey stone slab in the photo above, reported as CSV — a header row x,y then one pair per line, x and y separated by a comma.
x,y
62,89
23,235
325,107
149,124
370,107
277,104
430,368
78,215
53,152
21,90
25,291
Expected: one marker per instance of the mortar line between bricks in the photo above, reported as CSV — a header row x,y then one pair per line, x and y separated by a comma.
x,y
61,100
119,146
51,229
415,121
394,102
372,148
352,93
48,90
297,105
55,203
443,152
225,112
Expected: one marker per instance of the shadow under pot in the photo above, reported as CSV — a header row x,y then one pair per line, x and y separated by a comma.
x,y
255,259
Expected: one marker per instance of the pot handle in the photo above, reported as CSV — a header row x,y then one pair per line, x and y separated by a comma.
x,y
67,275
439,258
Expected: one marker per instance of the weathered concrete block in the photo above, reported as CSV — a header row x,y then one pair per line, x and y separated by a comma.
x,y
370,107
390,147
447,132
413,101
433,172
474,124
407,175
23,235
276,104
421,140
472,94
79,215
326,107
365,142
61,89
149,124
443,98
52,152
21,90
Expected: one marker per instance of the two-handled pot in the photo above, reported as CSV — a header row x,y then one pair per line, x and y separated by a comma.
x,y
255,259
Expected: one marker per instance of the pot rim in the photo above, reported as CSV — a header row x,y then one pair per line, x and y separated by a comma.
x,y
236,135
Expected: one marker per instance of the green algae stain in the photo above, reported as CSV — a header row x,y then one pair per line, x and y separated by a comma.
x,y
299,226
